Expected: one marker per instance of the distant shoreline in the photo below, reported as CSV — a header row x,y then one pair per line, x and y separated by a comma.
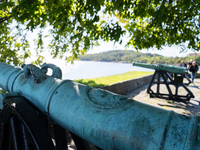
x,y
105,61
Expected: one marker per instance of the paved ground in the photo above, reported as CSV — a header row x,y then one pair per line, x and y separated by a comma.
x,y
192,107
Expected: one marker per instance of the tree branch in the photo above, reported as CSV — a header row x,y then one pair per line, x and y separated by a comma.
x,y
4,19
3,1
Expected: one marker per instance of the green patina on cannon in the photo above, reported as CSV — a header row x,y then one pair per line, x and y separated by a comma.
x,y
105,119
163,75
168,68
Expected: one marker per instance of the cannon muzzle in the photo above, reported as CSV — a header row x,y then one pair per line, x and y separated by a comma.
x,y
107,120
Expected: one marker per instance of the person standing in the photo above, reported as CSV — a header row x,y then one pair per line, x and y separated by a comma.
x,y
183,64
190,63
193,69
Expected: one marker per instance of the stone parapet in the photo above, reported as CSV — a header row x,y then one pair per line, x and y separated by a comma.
x,y
128,85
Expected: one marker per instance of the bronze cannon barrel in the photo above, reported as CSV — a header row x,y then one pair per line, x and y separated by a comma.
x,y
105,119
168,68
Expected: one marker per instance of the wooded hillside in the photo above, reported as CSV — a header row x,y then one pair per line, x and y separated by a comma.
x,y
129,56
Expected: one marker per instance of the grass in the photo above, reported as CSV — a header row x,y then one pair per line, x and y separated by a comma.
x,y
2,91
107,80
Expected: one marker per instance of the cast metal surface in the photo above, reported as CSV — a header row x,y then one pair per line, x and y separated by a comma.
x,y
167,68
35,72
162,77
103,118
57,72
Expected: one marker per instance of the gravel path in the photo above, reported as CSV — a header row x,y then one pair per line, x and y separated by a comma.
x,y
192,107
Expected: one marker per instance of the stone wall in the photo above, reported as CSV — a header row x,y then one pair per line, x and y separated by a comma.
x,y
128,85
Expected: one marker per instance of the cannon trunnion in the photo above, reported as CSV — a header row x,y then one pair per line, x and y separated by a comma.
x,y
105,119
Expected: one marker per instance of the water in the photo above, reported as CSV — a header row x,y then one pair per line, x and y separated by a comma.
x,y
90,69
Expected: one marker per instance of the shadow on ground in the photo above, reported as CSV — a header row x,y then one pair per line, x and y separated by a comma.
x,y
186,108
189,107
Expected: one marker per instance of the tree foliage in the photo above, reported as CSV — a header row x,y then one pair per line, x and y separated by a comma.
x,y
78,25
162,22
